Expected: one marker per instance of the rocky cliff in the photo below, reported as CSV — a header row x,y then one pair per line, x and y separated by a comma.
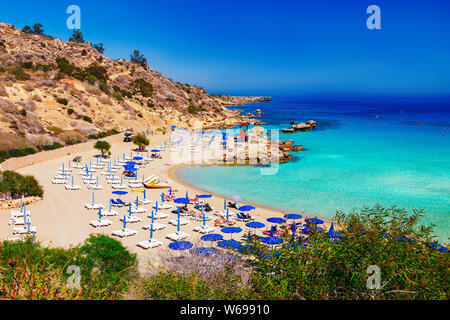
x,y
52,90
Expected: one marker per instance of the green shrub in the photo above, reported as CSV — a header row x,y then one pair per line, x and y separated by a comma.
x,y
19,74
70,111
87,119
117,96
27,65
23,112
91,79
103,86
54,146
17,185
142,87
97,71
62,101
65,66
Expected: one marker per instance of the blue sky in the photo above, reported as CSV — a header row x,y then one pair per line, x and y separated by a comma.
x,y
268,47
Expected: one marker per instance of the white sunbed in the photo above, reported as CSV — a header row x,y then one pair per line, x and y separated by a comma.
x,y
100,223
199,218
23,230
92,186
17,213
156,226
145,202
93,206
59,181
131,219
97,166
159,215
109,213
163,206
72,187
124,233
136,185
177,236
148,244
60,177
18,221
138,210
115,182
119,186
205,229
182,222
78,166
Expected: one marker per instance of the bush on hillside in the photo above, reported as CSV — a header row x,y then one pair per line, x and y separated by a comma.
x,y
16,185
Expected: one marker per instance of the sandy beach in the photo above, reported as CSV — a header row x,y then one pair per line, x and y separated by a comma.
x,y
62,221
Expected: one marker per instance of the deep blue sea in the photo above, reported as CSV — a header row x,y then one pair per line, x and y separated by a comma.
x,y
364,152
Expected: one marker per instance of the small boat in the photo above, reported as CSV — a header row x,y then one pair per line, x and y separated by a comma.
x,y
155,182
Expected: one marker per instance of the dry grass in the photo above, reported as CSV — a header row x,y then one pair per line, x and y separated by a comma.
x,y
72,136
104,100
10,141
3,92
93,90
28,87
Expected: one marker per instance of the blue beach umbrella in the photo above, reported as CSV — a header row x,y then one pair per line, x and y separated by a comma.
x,y
156,206
204,218
276,220
99,213
138,158
231,230
137,201
28,228
181,200
212,237
93,198
162,197
151,231
110,204
24,214
229,244
129,209
34,237
204,196
293,216
246,208
224,204
153,218
170,190
187,195
155,150
255,225
180,245
72,181
120,192
124,222
271,240
145,194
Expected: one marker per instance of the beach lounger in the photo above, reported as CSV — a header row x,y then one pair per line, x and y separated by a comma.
x,y
60,177
149,244
156,226
138,210
59,181
124,233
131,219
93,206
159,215
109,213
114,182
17,213
95,186
136,185
18,221
163,206
72,187
205,229
175,222
119,186
242,218
100,223
122,202
115,203
177,236
145,202
23,230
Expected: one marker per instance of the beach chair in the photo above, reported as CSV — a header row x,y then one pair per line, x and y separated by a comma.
x,y
163,206
159,215
124,233
18,221
109,213
72,187
175,222
23,230
100,223
122,203
177,236
17,213
205,229
145,202
242,218
59,181
119,186
149,244
93,206
93,186
114,203
138,210
131,219
135,185
156,226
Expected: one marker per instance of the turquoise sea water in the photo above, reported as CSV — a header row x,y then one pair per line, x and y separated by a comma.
x,y
354,159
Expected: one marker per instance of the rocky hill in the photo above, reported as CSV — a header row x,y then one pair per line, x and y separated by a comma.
x,y
55,91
